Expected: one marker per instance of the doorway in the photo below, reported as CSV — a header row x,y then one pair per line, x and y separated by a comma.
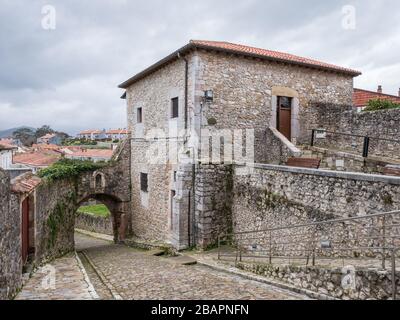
x,y
284,116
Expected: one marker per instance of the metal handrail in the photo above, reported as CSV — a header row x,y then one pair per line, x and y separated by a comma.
x,y
354,135
380,241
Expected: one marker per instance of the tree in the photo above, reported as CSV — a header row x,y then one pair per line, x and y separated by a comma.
x,y
25,135
40,132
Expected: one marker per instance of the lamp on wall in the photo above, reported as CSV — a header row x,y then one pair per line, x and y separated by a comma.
x,y
209,95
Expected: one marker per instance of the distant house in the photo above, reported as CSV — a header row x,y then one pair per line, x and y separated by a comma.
x,y
117,134
50,138
6,155
35,160
94,155
361,97
93,135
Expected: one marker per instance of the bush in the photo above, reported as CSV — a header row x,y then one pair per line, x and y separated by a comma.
x,y
68,168
378,104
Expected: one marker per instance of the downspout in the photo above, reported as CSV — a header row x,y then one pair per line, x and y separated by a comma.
x,y
186,88
191,194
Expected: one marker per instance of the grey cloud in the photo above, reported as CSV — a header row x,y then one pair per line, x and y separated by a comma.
x,y
68,77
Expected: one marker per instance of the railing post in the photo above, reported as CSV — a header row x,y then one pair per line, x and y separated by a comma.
x,y
384,243
366,147
270,247
394,282
313,138
219,247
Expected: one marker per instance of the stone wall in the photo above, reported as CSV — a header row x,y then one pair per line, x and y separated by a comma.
x,y
213,214
273,196
94,224
369,284
380,124
10,243
55,209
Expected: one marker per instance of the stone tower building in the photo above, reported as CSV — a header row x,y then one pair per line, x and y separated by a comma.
x,y
180,107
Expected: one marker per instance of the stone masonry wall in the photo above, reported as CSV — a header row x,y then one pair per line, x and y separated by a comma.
x,y
213,213
273,196
10,244
381,124
55,210
94,224
243,92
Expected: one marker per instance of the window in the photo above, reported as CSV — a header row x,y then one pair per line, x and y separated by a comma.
x,y
175,176
139,115
175,108
285,102
144,182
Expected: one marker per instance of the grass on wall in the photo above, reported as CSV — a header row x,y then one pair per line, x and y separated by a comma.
x,y
378,104
99,210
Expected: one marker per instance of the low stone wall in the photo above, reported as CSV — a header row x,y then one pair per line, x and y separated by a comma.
x,y
278,149
274,196
10,243
364,284
338,118
94,224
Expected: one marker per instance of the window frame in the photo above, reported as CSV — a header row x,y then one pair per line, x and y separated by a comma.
x,y
175,108
144,182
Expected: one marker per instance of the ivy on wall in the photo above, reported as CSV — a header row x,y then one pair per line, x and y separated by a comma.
x,y
67,168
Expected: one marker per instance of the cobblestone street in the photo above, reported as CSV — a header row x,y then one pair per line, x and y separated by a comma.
x,y
133,274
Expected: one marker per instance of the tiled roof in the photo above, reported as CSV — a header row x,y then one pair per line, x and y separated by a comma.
x,y
36,159
117,131
93,153
25,183
7,144
361,97
46,147
243,50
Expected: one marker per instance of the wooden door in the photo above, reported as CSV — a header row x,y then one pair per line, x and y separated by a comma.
x,y
285,117
25,230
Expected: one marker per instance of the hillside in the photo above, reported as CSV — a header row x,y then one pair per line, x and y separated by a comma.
x,y
9,132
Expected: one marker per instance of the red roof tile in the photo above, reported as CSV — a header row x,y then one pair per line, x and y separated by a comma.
x,y
117,131
25,183
36,159
361,97
243,50
93,153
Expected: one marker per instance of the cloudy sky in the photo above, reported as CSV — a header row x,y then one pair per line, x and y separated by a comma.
x,y
67,77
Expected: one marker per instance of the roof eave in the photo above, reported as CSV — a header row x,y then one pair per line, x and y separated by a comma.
x,y
192,45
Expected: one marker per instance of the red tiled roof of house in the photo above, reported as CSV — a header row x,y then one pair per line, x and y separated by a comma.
x,y
361,97
7,144
243,50
36,159
25,183
117,131
46,147
93,153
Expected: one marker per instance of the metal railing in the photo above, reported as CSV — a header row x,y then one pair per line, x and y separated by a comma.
x,y
364,240
366,141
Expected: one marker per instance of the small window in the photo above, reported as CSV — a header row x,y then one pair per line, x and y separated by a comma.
x,y
175,108
144,182
175,176
285,102
139,115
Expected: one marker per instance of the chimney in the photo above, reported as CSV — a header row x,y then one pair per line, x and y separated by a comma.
x,y
380,89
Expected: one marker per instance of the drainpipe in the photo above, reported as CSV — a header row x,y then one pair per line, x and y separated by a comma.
x,y
186,87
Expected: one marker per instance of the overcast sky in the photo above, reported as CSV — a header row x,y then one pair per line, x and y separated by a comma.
x,y
67,77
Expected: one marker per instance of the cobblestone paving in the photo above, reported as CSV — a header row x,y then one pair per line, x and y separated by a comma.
x,y
69,282
137,275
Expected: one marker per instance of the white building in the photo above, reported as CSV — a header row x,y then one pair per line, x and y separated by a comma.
x,y
6,156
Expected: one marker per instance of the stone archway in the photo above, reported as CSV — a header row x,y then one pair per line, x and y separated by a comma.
x,y
119,217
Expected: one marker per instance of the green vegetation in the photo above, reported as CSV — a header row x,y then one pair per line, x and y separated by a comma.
x,y
67,168
378,104
80,142
99,210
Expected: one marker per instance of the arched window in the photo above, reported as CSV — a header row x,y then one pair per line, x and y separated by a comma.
x,y
99,181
